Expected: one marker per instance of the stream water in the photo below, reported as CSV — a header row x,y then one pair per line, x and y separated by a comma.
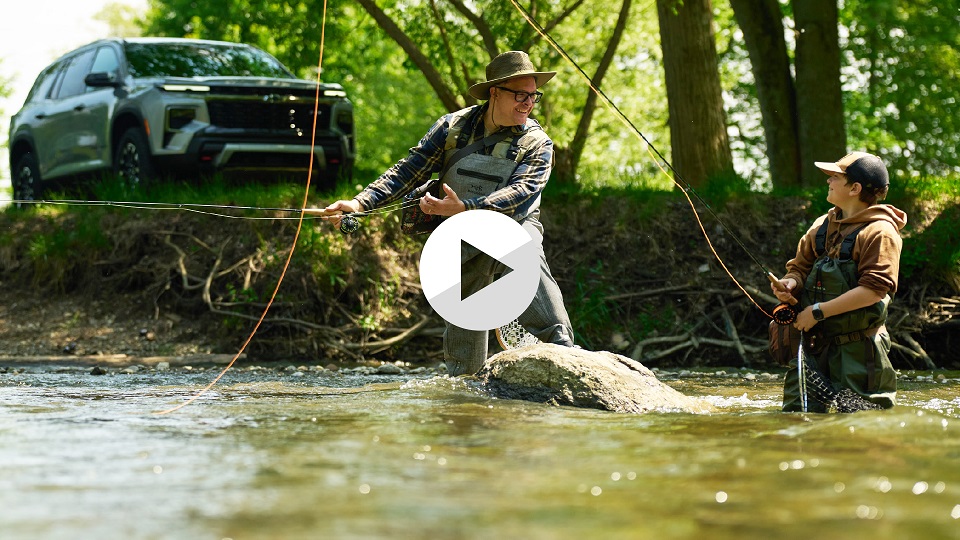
x,y
270,454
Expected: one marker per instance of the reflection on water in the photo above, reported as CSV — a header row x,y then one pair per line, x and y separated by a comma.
x,y
264,455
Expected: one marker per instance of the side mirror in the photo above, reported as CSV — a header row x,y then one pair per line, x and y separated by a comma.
x,y
102,79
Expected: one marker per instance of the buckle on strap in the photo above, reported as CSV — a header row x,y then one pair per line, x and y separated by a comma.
x,y
853,337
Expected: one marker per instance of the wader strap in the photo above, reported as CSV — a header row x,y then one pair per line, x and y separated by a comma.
x,y
821,244
846,247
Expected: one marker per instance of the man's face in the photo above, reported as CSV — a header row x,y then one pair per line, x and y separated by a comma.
x,y
507,111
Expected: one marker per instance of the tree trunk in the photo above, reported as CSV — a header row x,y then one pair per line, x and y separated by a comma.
x,y
698,132
433,76
583,127
822,131
762,24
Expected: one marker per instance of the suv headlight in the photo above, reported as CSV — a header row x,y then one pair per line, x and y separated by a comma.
x,y
177,117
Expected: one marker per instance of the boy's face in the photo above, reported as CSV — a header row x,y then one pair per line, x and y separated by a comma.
x,y
840,190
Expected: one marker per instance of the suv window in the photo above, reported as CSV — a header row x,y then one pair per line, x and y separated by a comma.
x,y
41,89
73,84
106,61
207,60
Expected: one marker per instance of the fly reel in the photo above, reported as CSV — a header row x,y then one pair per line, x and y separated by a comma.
x,y
785,314
349,224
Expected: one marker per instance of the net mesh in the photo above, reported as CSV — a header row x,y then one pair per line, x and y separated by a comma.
x,y
818,388
513,336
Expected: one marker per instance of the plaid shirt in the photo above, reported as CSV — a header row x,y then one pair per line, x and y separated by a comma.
x,y
516,198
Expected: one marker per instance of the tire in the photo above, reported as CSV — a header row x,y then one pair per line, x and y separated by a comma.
x,y
25,180
132,162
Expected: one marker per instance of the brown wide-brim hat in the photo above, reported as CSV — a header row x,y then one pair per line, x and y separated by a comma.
x,y
861,167
506,66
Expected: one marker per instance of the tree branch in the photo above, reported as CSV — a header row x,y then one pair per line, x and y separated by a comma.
x,y
434,79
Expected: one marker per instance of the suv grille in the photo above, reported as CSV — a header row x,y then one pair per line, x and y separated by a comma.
x,y
258,115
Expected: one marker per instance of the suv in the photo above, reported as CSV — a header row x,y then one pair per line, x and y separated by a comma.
x,y
150,106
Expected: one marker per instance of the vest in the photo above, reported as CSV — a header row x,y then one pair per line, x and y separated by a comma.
x,y
830,277
481,173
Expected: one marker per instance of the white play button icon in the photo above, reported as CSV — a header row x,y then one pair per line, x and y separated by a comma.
x,y
491,234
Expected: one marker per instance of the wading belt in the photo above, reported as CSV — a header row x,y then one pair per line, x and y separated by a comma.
x,y
869,351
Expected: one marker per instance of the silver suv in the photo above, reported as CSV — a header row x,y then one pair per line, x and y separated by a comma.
x,y
147,107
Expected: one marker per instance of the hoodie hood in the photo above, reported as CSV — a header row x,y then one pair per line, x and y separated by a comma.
x,y
876,212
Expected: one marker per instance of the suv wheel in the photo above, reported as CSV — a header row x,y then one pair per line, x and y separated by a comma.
x,y
27,185
132,161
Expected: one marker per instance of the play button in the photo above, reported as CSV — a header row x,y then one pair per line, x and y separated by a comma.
x,y
462,238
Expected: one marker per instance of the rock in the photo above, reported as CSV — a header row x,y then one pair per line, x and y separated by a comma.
x,y
389,369
567,376
97,370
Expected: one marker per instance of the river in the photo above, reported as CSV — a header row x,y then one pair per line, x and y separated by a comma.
x,y
271,454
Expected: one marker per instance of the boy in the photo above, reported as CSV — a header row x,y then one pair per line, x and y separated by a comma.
x,y
845,275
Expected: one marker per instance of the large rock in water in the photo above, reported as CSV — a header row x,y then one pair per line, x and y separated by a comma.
x,y
566,376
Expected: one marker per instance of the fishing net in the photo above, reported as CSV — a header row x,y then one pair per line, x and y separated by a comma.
x,y
513,336
814,385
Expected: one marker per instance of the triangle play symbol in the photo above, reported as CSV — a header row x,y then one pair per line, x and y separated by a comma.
x,y
470,252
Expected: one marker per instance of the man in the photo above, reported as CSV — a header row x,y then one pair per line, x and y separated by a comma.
x,y
508,148
848,263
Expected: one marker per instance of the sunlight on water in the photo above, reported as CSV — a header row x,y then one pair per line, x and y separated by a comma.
x,y
269,455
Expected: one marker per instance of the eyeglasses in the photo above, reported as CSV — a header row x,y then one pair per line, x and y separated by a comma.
x,y
522,96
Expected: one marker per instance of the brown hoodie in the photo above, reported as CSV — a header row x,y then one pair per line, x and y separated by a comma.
x,y
876,250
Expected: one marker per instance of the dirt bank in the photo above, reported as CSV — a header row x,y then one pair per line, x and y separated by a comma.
x,y
637,275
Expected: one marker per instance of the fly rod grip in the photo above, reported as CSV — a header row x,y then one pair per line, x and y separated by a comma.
x,y
779,286
785,313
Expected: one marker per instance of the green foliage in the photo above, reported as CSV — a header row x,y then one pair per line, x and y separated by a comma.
x,y
53,252
395,105
902,59
931,249
589,307
933,254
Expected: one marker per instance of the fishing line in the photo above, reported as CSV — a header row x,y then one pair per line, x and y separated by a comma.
x,y
182,207
201,208
296,237
658,158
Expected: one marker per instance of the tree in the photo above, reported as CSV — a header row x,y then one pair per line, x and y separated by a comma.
x,y
761,22
821,129
487,25
122,19
569,158
803,115
698,131
901,74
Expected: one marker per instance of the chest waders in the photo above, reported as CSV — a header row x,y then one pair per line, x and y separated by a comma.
x,y
475,175
475,170
850,349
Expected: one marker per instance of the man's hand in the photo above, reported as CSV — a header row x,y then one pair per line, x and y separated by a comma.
x,y
447,206
335,211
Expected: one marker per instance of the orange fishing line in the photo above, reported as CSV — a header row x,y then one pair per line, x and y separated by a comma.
x,y
623,119
296,236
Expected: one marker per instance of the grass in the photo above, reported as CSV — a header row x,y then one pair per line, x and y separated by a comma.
x,y
361,273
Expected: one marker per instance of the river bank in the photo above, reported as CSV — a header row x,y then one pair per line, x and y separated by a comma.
x,y
637,276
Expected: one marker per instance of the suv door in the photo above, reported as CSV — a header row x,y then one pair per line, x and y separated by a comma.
x,y
101,107
75,137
